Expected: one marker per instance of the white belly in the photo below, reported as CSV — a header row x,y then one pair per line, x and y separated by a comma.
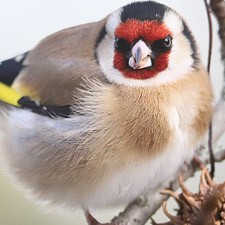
x,y
149,175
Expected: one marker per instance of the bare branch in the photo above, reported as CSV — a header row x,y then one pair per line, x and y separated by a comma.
x,y
139,212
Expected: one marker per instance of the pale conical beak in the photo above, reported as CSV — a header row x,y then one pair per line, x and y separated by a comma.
x,y
141,56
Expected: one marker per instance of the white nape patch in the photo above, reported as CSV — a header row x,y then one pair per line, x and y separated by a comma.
x,y
113,22
180,59
173,22
18,58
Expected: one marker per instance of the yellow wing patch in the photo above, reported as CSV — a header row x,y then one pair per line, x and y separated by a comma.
x,y
9,95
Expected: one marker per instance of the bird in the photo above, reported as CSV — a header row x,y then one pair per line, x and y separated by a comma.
x,y
140,103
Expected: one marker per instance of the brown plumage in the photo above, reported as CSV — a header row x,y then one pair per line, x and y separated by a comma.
x,y
58,63
119,133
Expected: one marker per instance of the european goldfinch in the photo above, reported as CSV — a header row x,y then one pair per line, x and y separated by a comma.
x,y
141,104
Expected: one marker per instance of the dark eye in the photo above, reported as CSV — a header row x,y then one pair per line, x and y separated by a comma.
x,y
168,41
121,45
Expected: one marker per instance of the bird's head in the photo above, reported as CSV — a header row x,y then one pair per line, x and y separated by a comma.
x,y
146,44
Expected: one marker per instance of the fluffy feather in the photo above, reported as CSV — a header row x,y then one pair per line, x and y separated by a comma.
x,y
54,68
109,152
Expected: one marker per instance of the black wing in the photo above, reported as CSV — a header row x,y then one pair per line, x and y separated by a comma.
x,y
9,69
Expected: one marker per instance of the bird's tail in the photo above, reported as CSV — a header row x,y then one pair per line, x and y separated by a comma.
x,y
9,69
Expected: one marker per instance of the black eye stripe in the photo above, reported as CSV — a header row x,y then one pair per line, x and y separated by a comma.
x,y
121,45
158,47
163,45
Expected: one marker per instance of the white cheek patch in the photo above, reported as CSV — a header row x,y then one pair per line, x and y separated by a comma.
x,y
173,22
105,54
180,58
113,22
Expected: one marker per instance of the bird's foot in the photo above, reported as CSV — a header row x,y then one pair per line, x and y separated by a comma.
x,y
92,221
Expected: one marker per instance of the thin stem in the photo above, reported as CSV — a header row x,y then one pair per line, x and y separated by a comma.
x,y
211,153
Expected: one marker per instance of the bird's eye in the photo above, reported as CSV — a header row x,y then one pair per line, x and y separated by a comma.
x,y
116,39
121,45
116,42
168,41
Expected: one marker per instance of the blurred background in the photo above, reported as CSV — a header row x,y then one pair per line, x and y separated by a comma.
x,y
23,24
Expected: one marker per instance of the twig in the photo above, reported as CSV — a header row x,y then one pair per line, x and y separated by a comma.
x,y
138,214
210,35
212,161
